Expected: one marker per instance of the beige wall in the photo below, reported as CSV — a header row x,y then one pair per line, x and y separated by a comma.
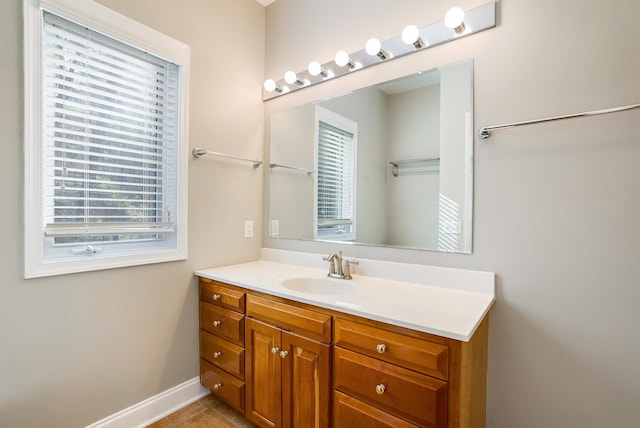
x,y
556,206
77,348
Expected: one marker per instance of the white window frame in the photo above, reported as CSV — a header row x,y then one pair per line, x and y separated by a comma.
x,y
108,22
327,116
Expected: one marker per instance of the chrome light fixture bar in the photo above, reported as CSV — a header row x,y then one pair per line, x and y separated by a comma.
x,y
472,21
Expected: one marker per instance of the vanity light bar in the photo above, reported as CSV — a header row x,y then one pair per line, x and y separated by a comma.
x,y
466,23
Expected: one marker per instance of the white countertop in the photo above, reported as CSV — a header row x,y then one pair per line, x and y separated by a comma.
x,y
427,299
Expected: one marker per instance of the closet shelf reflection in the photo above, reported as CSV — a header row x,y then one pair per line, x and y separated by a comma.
x,y
415,166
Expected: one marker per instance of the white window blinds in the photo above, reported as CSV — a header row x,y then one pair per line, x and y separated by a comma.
x,y
110,138
335,180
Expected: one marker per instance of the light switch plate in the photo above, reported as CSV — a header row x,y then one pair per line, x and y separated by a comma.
x,y
248,228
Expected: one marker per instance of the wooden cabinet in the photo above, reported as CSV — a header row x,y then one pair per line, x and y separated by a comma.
x,y
290,364
399,374
306,380
222,354
288,377
413,396
385,375
264,367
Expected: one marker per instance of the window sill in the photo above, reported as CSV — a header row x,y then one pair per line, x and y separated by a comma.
x,y
101,263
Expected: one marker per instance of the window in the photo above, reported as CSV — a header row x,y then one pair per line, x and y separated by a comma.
x,y
335,185
105,140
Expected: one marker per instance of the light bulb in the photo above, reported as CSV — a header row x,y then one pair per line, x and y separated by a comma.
x,y
270,85
454,19
342,58
314,68
373,46
411,36
290,77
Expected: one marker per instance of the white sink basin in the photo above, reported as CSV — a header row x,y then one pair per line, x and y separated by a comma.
x,y
319,285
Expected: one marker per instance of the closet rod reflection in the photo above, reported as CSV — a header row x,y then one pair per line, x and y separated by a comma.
x,y
199,152
485,132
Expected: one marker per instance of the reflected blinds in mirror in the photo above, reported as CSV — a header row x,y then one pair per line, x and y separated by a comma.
x,y
335,181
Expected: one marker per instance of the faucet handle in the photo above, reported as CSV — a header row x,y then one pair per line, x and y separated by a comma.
x,y
332,265
347,267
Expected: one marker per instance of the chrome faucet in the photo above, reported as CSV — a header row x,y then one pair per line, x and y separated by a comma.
x,y
336,269
335,264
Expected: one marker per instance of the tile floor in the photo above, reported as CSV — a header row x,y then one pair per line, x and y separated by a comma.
x,y
205,413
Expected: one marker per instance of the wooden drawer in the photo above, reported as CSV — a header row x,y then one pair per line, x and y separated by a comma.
x,y
217,293
222,322
415,354
222,353
222,384
302,321
349,412
408,394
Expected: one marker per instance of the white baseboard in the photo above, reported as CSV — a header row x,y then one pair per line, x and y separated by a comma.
x,y
154,408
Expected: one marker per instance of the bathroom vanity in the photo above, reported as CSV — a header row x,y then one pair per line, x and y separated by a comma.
x,y
290,347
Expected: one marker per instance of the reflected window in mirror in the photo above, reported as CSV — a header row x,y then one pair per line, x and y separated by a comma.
x,y
336,138
413,167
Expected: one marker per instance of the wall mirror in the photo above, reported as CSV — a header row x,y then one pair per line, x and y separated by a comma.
x,y
387,165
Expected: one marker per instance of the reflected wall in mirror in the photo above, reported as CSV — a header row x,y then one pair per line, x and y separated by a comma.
x,y
387,165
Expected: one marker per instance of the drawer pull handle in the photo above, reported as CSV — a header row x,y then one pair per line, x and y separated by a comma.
x,y
217,386
275,350
216,297
380,389
217,354
283,354
381,348
217,323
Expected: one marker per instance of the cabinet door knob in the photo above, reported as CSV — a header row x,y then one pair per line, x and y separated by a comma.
x,y
217,354
380,389
283,354
217,386
216,297
275,350
217,323
381,348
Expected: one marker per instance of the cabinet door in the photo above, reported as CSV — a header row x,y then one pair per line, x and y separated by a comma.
x,y
263,371
306,382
